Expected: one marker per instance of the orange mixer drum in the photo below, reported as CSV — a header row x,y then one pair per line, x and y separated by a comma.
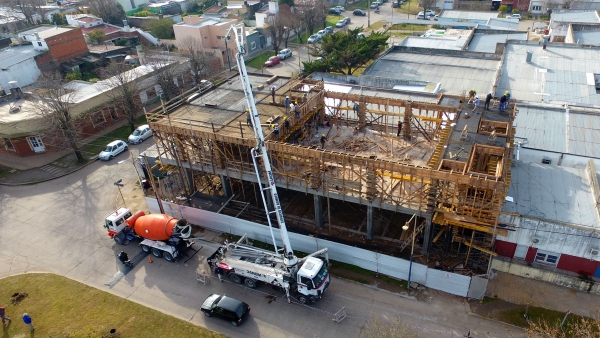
x,y
157,227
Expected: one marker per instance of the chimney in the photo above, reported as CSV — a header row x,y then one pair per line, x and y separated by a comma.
x,y
273,6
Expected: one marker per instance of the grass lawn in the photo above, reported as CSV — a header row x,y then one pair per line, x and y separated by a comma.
x,y
537,314
61,307
259,61
358,5
377,25
333,19
305,36
410,7
409,27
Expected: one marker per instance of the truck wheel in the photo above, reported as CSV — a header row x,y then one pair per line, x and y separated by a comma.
x,y
251,283
156,252
120,238
145,248
168,257
236,278
303,300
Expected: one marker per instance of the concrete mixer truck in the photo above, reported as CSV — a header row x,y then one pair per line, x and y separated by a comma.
x,y
160,234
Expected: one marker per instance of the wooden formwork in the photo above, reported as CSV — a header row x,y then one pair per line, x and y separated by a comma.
x,y
455,193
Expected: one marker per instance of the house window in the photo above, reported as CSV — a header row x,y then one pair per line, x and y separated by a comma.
x,y
113,114
40,44
9,145
547,257
536,8
253,45
98,118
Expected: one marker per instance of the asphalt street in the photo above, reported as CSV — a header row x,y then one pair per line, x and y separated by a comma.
x,y
56,227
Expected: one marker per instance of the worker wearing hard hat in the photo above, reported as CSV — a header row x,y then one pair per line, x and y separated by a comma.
x,y
323,140
286,124
472,94
248,119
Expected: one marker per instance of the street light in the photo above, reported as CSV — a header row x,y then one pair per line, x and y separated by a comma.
x,y
412,249
119,185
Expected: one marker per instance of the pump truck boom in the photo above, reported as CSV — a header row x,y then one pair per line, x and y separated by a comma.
x,y
243,263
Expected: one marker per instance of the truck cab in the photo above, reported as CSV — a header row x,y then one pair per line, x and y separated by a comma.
x,y
313,280
115,222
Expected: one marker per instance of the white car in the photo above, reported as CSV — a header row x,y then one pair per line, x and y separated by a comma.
x,y
113,149
340,23
140,134
314,38
284,54
340,8
514,16
322,33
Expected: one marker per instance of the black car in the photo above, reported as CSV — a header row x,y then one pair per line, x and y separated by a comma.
x,y
395,4
359,12
230,309
334,11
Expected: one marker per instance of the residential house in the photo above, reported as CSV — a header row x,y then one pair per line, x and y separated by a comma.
x,y
211,33
60,44
18,66
89,23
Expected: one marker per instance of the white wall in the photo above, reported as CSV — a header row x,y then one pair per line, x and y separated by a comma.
x,y
552,237
25,73
260,19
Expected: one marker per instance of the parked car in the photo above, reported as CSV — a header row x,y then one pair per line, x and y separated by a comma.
x,y
375,4
284,54
272,61
329,30
113,149
322,33
314,38
435,17
423,16
319,59
429,12
360,36
334,11
205,84
359,12
347,19
230,309
340,23
514,16
340,8
380,2
140,134
395,4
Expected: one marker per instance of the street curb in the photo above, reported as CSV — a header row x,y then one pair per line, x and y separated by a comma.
x,y
91,160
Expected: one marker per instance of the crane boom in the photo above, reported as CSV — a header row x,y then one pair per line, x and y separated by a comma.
x,y
260,151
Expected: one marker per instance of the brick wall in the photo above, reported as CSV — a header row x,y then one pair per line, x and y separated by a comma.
x,y
68,45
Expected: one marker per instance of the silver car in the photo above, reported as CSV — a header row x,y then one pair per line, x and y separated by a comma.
x,y
113,149
284,53
140,134
314,38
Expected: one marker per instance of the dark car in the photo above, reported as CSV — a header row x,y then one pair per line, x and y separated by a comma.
x,y
230,309
334,11
359,12
395,4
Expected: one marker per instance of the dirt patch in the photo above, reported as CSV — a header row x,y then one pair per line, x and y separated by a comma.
x,y
18,297
492,307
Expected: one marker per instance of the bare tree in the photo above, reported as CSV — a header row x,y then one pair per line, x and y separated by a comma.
x,y
291,20
166,67
275,27
30,9
122,88
110,11
199,58
313,14
54,104
427,4
377,327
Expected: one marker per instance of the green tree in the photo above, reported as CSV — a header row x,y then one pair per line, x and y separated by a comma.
x,y
515,11
143,14
162,29
503,9
76,75
97,36
344,52
58,19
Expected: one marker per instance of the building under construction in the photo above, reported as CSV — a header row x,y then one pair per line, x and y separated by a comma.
x,y
447,164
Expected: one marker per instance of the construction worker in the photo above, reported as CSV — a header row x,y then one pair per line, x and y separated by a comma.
x,y
248,119
399,127
323,140
355,107
286,124
273,93
476,104
507,97
472,94
488,99
297,110
276,133
286,102
502,103
304,98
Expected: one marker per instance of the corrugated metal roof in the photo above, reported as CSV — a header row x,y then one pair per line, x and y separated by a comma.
x,y
576,17
14,55
591,37
576,133
467,15
486,43
553,193
456,74
498,23
555,75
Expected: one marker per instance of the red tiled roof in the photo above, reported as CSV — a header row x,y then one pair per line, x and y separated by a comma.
x,y
103,27
88,19
213,9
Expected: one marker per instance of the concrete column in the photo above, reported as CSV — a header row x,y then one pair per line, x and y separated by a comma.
x,y
318,211
426,236
226,186
362,113
406,132
370,222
